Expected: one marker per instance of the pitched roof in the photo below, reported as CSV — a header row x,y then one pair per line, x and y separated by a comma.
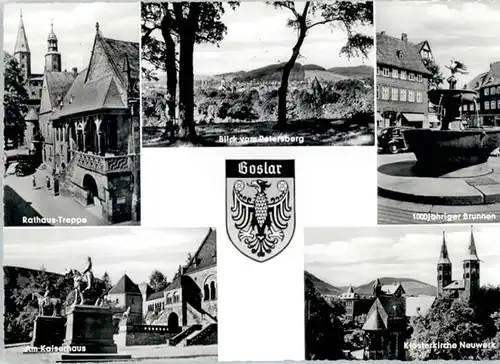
x,y
124,285
21,39
493,75
206,255
392,288
444,257
471,249
391,311
477,81
374,322
455,285
58,84
389,50
98,94
418,305
32,115
119,50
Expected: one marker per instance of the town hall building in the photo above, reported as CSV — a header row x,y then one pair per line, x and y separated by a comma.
x,y
84,125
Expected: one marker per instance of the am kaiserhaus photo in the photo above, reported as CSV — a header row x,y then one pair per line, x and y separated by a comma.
x,y
257,74
71,126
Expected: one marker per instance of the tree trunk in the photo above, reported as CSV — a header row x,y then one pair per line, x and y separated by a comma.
x,y
171,70
287,69
187,33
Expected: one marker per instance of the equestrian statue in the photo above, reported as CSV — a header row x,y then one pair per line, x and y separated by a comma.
x,y
85,287
45,302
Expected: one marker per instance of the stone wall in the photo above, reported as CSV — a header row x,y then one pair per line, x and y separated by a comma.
x,y
131,335
120,202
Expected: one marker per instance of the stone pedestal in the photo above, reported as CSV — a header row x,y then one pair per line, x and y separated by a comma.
x,y
91,327
48,331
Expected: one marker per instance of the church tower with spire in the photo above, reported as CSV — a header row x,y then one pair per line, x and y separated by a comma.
x,y
52,57
22,50
443,269
471,265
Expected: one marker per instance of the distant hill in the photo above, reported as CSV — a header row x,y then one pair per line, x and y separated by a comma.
x,y
353,72
313,67
321,286
21,274
410,285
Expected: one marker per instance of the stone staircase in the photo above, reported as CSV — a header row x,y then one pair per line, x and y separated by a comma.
x,y
181,337
66,187
200,315
207,336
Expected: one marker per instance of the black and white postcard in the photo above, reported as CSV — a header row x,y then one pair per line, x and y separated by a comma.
x,y
257,74
438,112
402,293
71,125
88,295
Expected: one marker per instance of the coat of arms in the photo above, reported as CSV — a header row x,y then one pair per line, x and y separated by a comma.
x,y
260,217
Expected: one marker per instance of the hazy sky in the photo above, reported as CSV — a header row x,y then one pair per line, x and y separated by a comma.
x,y
343,256
116,250
74,25
257,36
467,31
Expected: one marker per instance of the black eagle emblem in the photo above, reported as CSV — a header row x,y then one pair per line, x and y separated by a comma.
x,y
260,219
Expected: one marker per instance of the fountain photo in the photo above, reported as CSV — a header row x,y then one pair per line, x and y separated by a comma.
x,y
410,293
110,295
278,73
438,112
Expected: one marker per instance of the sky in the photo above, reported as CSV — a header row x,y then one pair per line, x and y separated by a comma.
x,y
344,256
74,25
257,36
136,251
466,31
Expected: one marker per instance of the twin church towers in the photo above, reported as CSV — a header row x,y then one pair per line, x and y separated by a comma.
x,y
467,287
23,54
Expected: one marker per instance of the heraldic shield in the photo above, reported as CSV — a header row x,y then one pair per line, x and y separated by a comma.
x,y
260,206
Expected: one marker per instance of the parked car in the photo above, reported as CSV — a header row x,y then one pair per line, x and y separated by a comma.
x,y
24,169
392,140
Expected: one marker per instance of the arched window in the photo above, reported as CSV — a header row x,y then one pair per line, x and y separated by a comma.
x,y
213,291
467,265
466,275
176,297
439,276
206,292
169,299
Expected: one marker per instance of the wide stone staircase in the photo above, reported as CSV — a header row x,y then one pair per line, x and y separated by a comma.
x,y
180,338
65,179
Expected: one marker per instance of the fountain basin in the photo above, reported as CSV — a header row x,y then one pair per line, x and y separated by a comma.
x,y
453,98
452,153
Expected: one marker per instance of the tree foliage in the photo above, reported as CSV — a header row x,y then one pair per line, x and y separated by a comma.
x,y
339,15
185,24
457,321
14,102
324,331
20,307
436,78
157,281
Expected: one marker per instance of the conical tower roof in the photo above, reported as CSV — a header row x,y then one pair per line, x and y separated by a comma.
x,y
32,115
22,39
471,250
52,35
350,290
444,258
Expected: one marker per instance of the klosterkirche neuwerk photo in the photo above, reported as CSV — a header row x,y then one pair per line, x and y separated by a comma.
x,y
279,73
71,126
402,293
